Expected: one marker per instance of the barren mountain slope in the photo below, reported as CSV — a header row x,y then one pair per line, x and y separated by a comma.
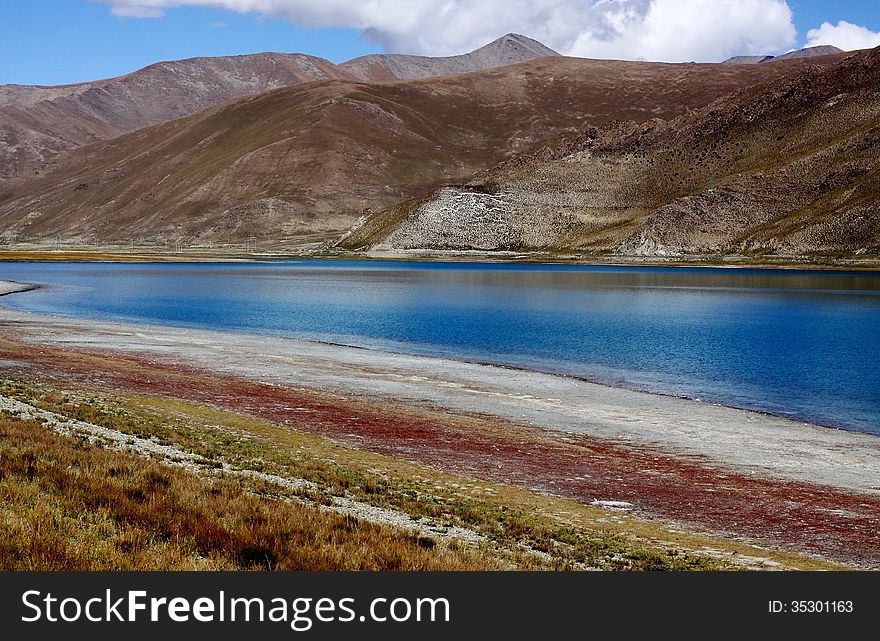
x,y
310,159
508,50
788,168
37,123
808,52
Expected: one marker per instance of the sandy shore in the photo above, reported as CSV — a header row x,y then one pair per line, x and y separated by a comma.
x,y
746,442
744,262
7,287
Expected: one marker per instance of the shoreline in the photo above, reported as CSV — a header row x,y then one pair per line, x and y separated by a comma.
x,y
8,287
515,258
706,262
742,440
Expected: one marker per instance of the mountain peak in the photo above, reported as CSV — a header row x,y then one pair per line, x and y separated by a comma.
x,y
519,41
506,50
810,52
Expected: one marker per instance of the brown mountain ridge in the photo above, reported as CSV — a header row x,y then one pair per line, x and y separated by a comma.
x,y
37,124
786,168
306,161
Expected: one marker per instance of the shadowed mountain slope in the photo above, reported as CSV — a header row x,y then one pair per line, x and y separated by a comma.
x,y
788,168
306,161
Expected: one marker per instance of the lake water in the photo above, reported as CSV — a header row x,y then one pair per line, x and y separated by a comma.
x,y
803,344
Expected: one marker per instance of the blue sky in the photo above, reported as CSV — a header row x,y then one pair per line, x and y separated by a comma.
x,y
811,13
65,41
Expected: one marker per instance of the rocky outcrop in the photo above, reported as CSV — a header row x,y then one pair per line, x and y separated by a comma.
x,y
458,219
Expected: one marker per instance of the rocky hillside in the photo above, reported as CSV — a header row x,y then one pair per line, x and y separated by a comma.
x,y
785,168
306,161
809,52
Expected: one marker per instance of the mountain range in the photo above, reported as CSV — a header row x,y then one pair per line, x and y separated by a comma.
x,y
809,52
39,123
784,168
510,147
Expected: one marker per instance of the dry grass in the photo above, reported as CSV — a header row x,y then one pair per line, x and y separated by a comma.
x,y
69,505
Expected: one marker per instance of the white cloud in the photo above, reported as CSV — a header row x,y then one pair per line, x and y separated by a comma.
x,y
676,30
137,11
671,30
845,35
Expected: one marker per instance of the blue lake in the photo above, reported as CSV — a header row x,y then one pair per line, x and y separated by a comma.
x,y
803,344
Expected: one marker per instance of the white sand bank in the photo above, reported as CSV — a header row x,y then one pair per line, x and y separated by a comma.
x,y
7,287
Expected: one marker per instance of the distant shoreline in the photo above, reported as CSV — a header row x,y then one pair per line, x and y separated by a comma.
x,y
11,287
615,261
706,262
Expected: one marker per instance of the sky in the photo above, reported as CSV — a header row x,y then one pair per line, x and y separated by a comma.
x,y
51,42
